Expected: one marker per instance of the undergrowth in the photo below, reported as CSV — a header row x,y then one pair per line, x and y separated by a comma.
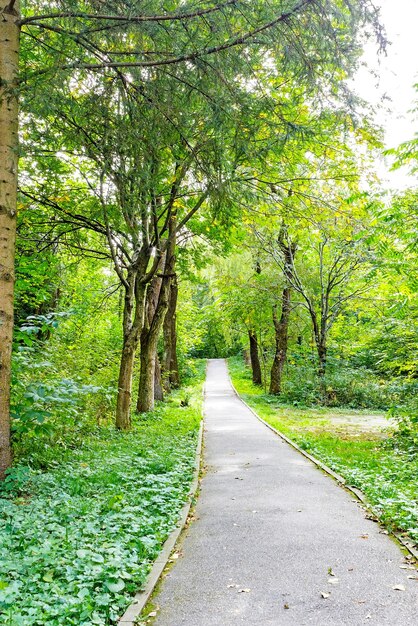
x,y
78,539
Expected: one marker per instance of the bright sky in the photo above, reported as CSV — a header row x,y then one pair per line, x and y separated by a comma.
x,y
398,72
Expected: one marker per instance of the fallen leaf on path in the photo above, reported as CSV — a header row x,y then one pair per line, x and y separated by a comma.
x,y
286,606
325,594
399,587
330,572
232,586
333,581
152,614
238,478
364,536
413,577
245,590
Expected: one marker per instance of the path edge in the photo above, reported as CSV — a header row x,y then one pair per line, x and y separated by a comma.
x,y
134,610
405,541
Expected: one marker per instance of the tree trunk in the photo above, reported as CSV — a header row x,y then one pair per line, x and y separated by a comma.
x,y
170,363
123,405
322,358
133,320
9,59
149,342
281,328
157,304
158,384
255,359
147,371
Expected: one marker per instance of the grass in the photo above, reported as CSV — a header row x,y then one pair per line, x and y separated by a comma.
x,y
363,456
78,540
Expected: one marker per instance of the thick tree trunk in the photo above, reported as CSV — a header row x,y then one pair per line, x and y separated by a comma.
x,y
158,384
255,359
146,395
170,363
9,59
281,328
123,405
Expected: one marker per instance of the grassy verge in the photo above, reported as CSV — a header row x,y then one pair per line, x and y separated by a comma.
x,y
363,456
78,540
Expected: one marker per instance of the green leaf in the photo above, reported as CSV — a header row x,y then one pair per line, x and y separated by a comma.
x,y
48,577
115,586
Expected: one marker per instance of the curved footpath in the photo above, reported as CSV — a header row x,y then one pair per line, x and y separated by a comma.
x,y
271,529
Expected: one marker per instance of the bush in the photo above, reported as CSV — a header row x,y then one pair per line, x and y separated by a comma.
x,y
343,386
405,438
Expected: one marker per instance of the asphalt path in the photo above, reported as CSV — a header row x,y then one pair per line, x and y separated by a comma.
x,y
276,541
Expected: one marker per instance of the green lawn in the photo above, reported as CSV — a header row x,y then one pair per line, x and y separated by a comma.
x,y
363,455
78,540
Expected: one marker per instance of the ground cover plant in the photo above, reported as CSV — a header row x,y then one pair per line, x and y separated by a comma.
x,y
78,540
356,444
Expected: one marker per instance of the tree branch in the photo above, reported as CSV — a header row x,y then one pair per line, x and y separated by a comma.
x,y
123,18
237,41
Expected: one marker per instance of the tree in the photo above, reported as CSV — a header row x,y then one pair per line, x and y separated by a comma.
x,y
332,253
281,326
9,58
114,43
142,172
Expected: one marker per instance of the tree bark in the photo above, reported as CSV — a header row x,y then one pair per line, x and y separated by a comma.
x,y
255,359
322,358
158,383
157,304
147,372
133,320
320,336
281,328
123,405
170,362
149,341
9,61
